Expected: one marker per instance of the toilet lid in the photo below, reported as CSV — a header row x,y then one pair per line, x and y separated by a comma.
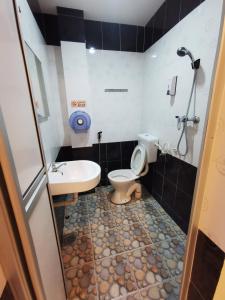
x,y
138,159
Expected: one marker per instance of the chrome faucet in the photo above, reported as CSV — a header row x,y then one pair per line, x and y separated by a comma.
x,y
56,168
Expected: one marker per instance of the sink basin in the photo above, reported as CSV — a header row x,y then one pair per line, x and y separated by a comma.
x,y
74,177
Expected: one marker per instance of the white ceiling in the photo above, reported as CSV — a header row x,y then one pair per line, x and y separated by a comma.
x,y
135,12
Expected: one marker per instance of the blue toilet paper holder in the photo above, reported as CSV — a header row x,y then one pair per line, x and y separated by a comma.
x,y
80,121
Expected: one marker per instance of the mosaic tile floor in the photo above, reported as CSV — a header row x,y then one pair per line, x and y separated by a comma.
x,y
133,251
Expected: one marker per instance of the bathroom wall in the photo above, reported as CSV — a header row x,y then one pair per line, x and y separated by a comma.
x,y
75,69
198,31
116,114
50,59
171,179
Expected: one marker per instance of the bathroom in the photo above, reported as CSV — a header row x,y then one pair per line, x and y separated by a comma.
x,y
117,115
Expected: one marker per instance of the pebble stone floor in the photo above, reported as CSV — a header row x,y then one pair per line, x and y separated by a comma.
x,y
133,251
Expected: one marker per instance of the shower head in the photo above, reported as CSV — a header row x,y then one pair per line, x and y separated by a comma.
x,y
182,51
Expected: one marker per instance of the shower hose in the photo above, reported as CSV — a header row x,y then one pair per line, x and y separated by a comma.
x,y
184,129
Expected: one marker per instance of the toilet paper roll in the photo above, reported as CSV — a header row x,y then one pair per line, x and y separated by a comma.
x,y
80,121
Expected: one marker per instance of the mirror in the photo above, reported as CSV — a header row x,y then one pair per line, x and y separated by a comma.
x,y
37,84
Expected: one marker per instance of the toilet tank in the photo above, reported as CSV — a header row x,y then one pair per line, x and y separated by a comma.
x,y
149,141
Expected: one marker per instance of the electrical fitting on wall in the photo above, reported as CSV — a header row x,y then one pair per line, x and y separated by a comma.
x,y
172,86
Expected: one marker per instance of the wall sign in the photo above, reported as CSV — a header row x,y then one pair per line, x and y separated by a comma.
x,y
78,103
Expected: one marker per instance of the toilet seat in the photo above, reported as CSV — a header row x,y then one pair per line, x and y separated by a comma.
x,y
138,160
122,175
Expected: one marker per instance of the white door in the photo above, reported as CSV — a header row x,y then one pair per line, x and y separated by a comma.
x,y
22,141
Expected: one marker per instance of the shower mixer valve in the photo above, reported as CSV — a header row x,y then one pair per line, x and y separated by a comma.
x,y
184,119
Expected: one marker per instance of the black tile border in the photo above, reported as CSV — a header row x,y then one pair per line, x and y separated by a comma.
x,y
176,10
113,36
113,156
77,13
171,181
207,266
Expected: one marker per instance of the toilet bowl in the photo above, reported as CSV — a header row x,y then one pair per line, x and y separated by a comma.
x,y
123,180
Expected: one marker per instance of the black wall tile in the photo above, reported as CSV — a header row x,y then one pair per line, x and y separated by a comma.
x,y
169,193
168,15
99,155
157,184
149,28
114,165
65,154
172,167
93,34
103,152
172,184
140,39
128,34
172,13
208,262
52,33
40,19
48,24
111,36
125,164
159,24
186,178
159,166
83,153
96,153
187,6
147,179
104,173
183,204
71,29
127,149
70,12
113,151
193,293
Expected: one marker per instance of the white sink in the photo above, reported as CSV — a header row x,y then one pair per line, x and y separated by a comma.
x,y
74,177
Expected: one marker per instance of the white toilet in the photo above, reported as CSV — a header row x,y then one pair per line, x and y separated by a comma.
x,y
123,181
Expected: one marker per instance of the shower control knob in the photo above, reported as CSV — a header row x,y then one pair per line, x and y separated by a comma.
x,y
196,120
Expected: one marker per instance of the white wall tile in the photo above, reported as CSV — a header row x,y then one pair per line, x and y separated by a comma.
x,y
77,87
116,114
